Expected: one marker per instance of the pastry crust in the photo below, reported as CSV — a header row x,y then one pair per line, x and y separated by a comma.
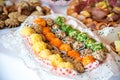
x,y
14,15
10,23
1,24
38,13
22,18
3,16
22,4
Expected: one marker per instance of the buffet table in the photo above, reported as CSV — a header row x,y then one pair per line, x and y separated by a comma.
x,y
12,67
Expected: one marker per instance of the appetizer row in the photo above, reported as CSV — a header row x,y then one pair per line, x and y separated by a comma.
x,y
63,45
46,52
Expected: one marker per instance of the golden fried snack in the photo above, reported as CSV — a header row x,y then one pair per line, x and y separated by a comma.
x,y
39,46
10,23
1,24
34,38
26,31
22,18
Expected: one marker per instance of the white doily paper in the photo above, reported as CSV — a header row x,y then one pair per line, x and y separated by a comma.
x,y
109,34
14,42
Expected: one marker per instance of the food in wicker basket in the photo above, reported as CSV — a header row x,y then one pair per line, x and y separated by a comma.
x,y
75,51
95,14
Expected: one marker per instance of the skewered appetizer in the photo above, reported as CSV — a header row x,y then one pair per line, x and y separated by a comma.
x,y
64,46
12,14
96,16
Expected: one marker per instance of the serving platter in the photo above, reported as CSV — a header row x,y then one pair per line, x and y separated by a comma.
x,y
12,40
31,59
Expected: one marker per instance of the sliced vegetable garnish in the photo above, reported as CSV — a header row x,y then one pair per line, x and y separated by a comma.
x,y
73,33
64,27
97,46
82,37
88,43
68,30
60,20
